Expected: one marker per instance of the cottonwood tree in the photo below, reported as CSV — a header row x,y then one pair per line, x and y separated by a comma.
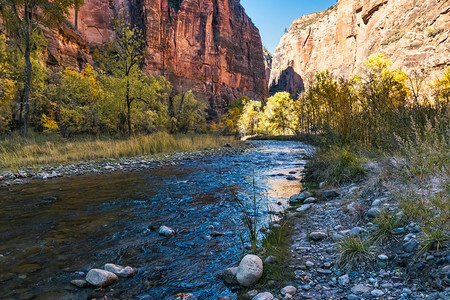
x,y
126,56
23,17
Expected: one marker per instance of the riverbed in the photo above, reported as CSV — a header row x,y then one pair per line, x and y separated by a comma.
x,y
55,231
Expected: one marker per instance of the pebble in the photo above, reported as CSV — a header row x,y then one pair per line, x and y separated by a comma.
x,y
337,236
166,231
355,231
79,283
409,237
377,293
410,246
383,257
376,202
344,280
120,271
304,207
309,264
373,212
252,293
323,271
288,290
360,289
270,259
407,291
317,235
310,200
101,278
330,194
263,296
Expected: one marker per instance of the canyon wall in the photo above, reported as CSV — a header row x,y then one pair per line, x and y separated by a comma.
x,y
412,33
208,46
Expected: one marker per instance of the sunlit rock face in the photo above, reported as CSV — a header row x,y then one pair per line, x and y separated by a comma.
x,y
209,46
412,33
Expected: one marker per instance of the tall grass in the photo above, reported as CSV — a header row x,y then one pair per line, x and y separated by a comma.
x,y
43,149
336,166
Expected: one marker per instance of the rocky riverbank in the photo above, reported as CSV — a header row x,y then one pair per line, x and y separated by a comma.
x,y
125,164
403,265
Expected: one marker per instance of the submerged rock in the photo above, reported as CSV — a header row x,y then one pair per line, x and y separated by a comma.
x,y
166,231
120,271
217,233
250,270
183,296
299,197
101,278
79,283
228,275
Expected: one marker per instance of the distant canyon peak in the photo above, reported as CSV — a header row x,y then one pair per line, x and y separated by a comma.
x,y
208,46
412,33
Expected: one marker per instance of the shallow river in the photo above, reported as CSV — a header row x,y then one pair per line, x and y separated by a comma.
x,y
54,231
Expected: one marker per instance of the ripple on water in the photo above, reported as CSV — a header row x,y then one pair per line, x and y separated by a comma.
x,y
55,231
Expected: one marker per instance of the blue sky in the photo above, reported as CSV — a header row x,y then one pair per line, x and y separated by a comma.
x,y
273,16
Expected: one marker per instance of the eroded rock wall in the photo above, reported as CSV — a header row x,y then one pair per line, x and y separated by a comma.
x,y
412,33
209,46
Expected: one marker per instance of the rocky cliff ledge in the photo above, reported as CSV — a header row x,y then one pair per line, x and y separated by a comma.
x,y
412,33
209,46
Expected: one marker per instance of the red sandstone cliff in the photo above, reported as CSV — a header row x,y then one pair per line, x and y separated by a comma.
x,y
209,46
412,33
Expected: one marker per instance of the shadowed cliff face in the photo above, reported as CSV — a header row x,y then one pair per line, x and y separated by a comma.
x,y
209,46
412,33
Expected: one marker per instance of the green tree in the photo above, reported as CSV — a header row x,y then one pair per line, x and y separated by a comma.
x,y
22,18
187,113
7,85
124,60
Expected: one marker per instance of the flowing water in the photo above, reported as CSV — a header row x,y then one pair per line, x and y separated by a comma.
x,y
55,231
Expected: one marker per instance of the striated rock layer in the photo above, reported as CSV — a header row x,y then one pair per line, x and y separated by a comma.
x,y
209,46
412,33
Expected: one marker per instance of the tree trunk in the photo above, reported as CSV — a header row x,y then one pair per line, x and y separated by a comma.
x,y
76,17
128,108
28,71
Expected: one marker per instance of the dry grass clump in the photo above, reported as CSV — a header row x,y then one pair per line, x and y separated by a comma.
x,y
336,166
42,149
354,252
385,224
